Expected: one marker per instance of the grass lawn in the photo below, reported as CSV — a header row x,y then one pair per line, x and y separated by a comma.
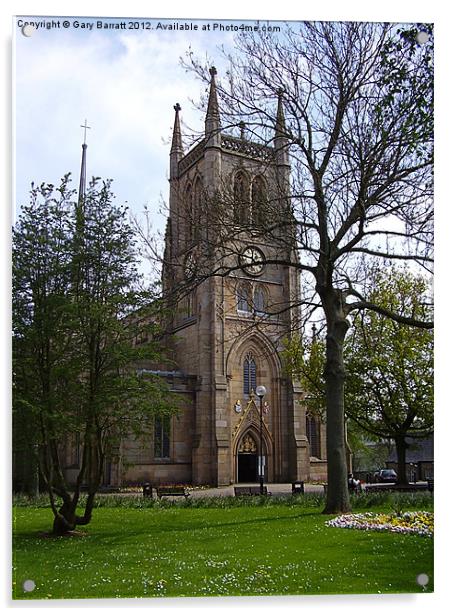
x,y
277,549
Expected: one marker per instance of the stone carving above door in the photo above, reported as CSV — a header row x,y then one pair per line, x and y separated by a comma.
x,y
247,444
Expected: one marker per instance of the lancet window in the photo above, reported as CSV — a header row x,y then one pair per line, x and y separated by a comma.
x,y
313,434
258,200
259,300
241,198
162,437
249,374
187,216
196,210
244,299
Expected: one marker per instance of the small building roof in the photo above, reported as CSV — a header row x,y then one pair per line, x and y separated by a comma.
x,y
419,450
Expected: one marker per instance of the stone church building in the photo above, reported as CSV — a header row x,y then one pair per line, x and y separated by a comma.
x,y
228,329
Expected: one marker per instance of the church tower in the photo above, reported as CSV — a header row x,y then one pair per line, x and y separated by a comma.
x,y
234,304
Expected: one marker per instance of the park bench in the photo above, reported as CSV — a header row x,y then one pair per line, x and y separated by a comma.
x,y
172,491
250,491
430,485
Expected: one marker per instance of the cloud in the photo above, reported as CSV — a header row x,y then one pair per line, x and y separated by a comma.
x,y
125,84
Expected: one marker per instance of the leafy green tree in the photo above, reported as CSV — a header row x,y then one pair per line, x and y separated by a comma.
x,y
389,367
304,360
406,71
389,386
77,311
40,286
369,452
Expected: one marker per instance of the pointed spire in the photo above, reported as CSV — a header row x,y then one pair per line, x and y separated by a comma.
x,y
80,215
212,105
82,184
176,145
280,119
177,149
212,123
280,140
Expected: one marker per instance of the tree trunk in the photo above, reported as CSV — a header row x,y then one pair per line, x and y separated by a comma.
x,y
86,517
401,448
338,499
31,482
65,520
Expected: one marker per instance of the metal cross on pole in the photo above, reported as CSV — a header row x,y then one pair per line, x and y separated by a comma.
x,y
85,126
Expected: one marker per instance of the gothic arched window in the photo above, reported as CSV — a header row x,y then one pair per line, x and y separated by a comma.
x,y
187,305
244,299
313,434
162,437
241,198
259,300
196,210
187,216
258,200
249,374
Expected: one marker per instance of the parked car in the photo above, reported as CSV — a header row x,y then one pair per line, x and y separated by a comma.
x,y
386,475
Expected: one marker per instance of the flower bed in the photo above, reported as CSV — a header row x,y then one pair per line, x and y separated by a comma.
x,y
410,522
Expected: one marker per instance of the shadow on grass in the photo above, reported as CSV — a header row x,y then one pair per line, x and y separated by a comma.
x,y
201,525
160,526
25,537
155,528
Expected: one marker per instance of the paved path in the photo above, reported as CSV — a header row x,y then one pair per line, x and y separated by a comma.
x,y
274,488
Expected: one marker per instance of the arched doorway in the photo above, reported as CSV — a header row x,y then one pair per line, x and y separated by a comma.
x,y
247,455
247,459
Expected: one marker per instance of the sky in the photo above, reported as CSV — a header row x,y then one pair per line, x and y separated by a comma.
x,y
123,75
125,84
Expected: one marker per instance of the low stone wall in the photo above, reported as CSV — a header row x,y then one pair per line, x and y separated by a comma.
x,y
318,470
157,474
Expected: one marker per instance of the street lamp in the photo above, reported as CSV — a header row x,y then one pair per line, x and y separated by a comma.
x,y
260,392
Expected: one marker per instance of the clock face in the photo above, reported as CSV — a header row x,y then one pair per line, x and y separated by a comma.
x,y
190,266
252,261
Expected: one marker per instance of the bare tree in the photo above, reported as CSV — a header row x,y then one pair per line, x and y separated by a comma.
x,y
355,138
